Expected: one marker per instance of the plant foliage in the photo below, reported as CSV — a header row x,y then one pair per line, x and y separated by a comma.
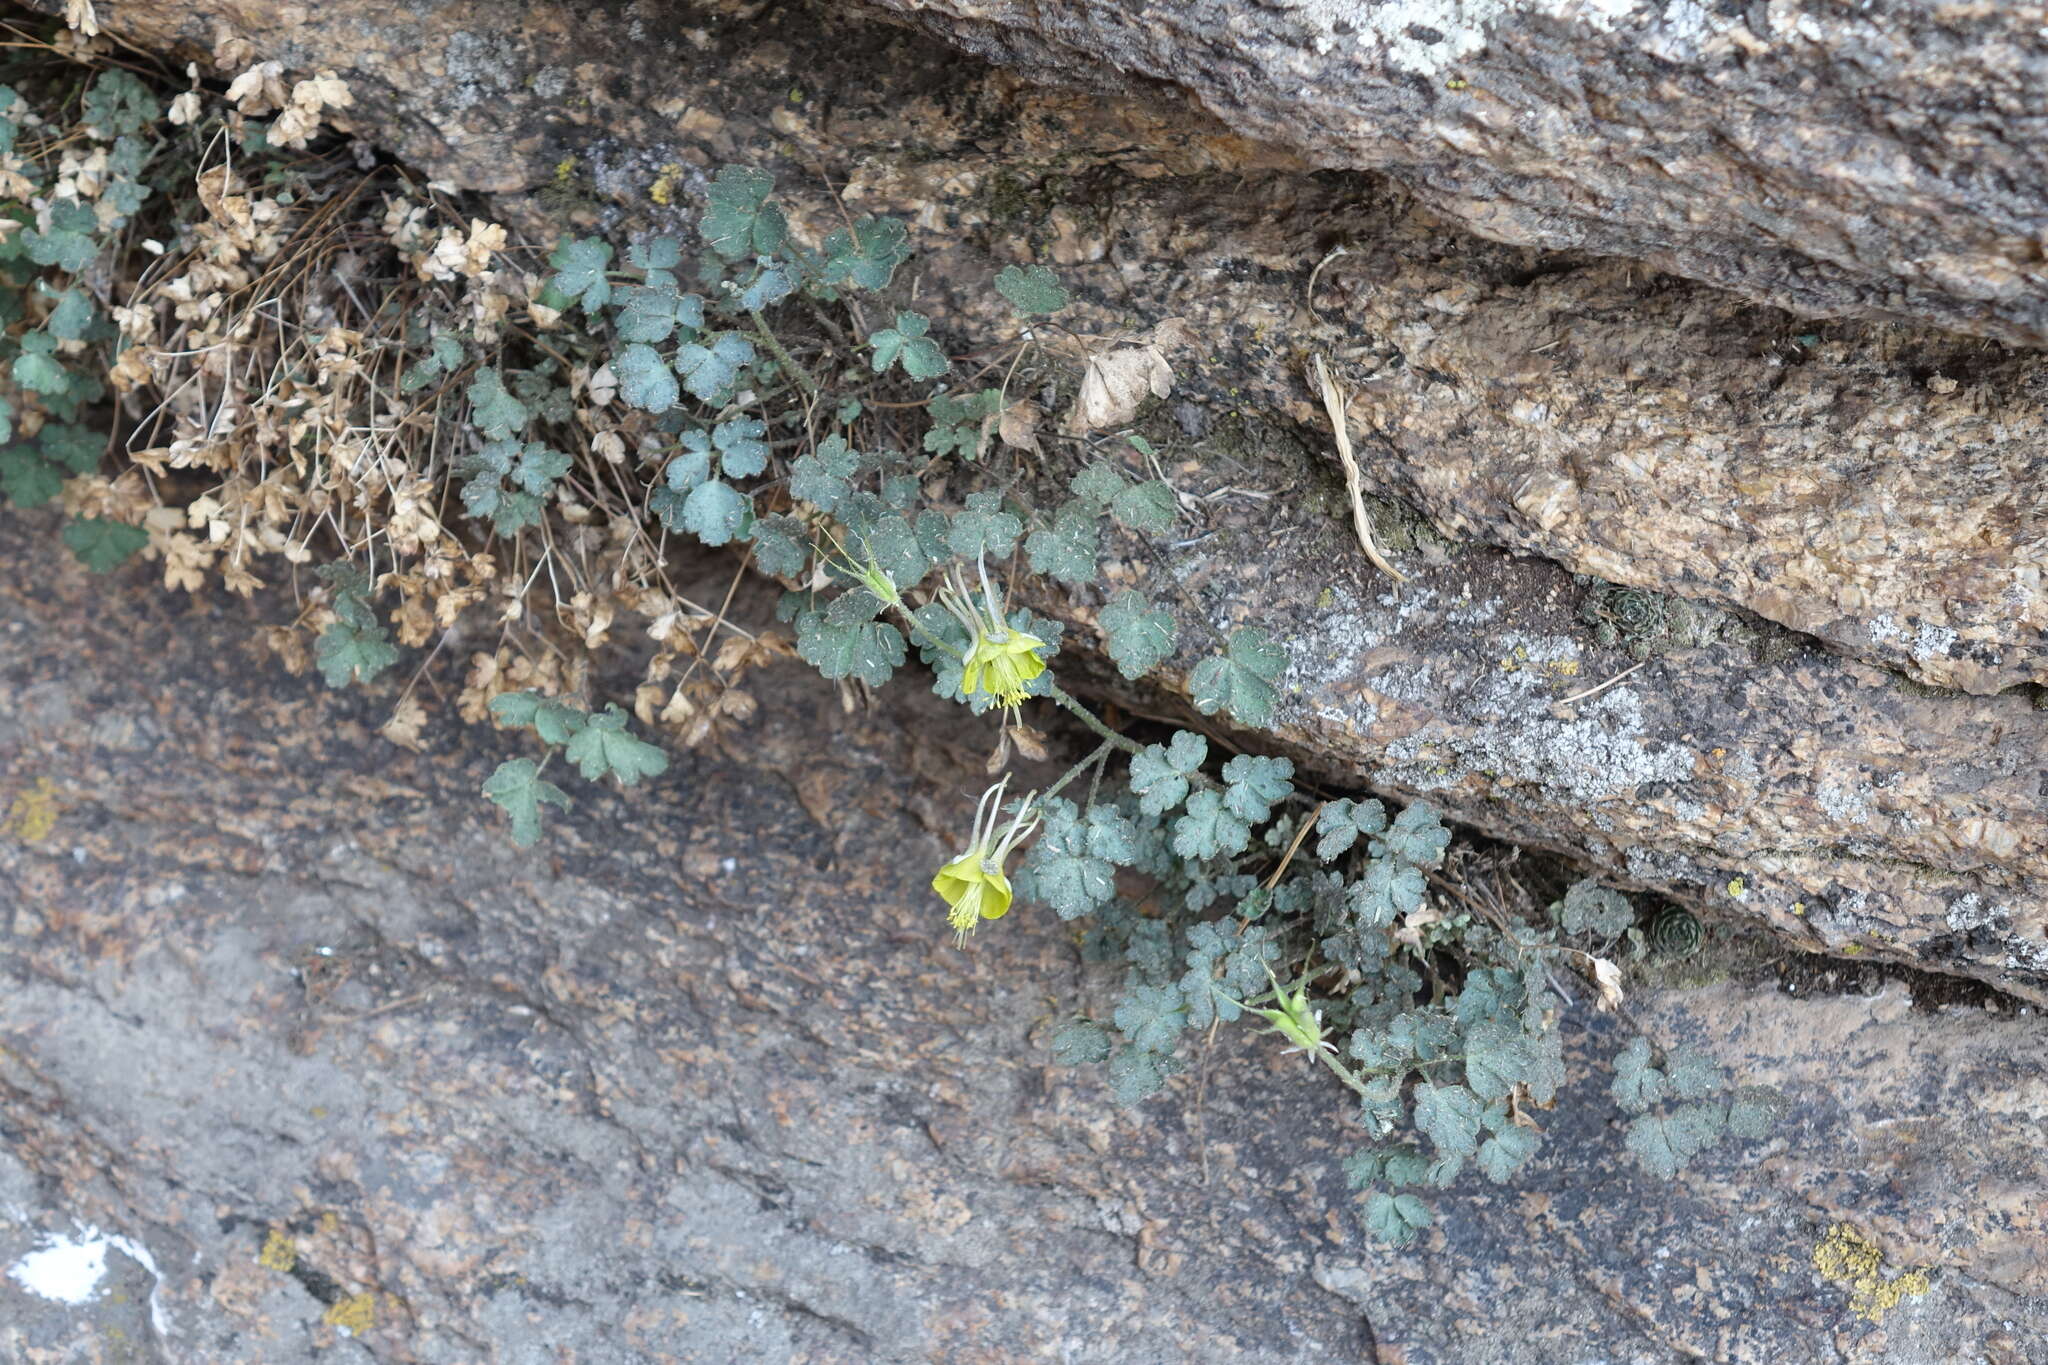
x,y
553,419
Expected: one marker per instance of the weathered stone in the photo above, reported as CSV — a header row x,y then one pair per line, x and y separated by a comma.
x,y
1655,433
1759,775
704,1078
1888,160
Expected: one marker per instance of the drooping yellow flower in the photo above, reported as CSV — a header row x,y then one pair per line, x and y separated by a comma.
x,y
1000,660
974,890
1002,665
974,885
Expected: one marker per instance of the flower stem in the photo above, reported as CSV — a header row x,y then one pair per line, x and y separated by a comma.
x,y
1343,1073
1088,718
1096,757
789,362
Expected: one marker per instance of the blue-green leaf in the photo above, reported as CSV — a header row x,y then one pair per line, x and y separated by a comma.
x,y
1080,1042
1341,822
645,380
1417,837
1449,1116
1395,1218
866,254
1031,289
1147,507
1242,679
348,653
867,650
604,746
1637,1085
710,367
580,264
518,788
742,453
984,528
495,411
103,545
825,476
715,512
1152,1017
1140,635
1209,829
906,345
738,219
1159,775
554,721
1254,784
1068,547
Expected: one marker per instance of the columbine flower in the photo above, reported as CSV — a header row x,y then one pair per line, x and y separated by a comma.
x,y
1000,659
1294,1021
974,883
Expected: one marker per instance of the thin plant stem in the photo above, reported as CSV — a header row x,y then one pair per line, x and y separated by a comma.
x,y
1097,759
789,362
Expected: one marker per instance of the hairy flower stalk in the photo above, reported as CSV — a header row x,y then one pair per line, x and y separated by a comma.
x,y
1001,660
974,885
1295,1020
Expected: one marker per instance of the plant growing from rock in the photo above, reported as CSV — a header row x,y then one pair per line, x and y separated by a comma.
x,y
497,458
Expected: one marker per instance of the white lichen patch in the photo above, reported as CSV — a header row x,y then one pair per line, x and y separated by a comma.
x,y
1329,651
1431,36
69,1270
1848,804
1508,728
1924,642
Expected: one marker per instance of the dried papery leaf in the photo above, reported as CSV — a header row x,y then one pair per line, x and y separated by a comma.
x,y
1030,743
1607,980
403,728
1114,384
1018,426
733,654
259,89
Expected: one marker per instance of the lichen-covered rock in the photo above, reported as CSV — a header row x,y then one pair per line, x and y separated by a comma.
x,y
1888,159
1759,775
301,1061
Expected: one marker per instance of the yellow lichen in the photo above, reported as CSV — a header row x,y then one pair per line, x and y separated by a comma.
x,y
355,1313
1736,887
1846,1257
663,190
279,1253
33,813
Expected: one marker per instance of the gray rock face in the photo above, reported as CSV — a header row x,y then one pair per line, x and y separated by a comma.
x,y
1882,160
300,1060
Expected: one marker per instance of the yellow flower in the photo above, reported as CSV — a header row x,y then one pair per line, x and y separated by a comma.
x,y
974,885
974,889
1002,665
1000,659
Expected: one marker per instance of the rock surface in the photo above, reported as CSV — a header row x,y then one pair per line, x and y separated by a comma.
x,y
321,1068
1886,159
1883,490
